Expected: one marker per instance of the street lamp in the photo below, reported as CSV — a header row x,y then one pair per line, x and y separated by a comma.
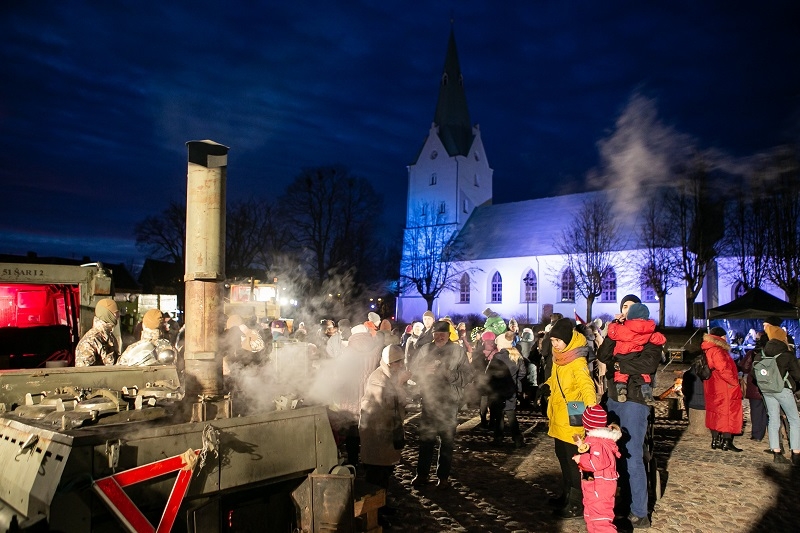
x,y
529,281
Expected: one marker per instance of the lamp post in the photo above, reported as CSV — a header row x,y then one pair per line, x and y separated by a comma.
x,y
529,281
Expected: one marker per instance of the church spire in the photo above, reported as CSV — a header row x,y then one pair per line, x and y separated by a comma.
x,y
452,115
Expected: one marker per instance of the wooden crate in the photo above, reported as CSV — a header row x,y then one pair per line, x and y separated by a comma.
x,y
368,499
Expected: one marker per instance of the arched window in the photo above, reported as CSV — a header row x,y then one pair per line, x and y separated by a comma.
x,y
738,290
497,288
648,292
609,286
530,286
433,179
567,285
464,289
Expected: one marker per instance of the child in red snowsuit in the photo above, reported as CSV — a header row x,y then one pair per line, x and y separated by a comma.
x,y
631,336
597,461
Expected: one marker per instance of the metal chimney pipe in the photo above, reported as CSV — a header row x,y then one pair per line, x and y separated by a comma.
x,y
205,270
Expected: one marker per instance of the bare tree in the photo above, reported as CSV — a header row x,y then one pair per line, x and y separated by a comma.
x,y
657,254
163,236
746,237
431,255
330,213
697,218
247,236
590,244
783,243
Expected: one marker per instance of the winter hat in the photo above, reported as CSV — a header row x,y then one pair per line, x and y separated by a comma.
x,y
488,336
344,323
374,318
629,298
409,329
718,332
386,325
527,334
392,353
594,417
359,328
234,321
638,311
773,321
430,314
562,330
488,311
152,319
504,342
441,326
774,347
106,310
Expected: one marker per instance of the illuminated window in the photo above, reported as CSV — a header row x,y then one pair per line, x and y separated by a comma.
x,y
497,288
530,286
648,293
609,286
567,286
464,286
433,178
475,181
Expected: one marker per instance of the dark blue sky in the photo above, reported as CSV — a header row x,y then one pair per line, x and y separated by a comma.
x,y
97,99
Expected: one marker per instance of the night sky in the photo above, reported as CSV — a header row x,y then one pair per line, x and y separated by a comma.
x,y
97,99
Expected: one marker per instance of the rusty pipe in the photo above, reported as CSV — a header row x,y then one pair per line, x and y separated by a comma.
x,y
205,266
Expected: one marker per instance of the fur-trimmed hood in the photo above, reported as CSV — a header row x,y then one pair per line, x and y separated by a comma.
x,y
611,432
716,341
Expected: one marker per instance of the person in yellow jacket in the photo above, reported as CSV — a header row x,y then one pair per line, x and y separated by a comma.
x,y
569,380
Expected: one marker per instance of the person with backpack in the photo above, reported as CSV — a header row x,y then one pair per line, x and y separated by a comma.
x,y
724,415
777,374
505,383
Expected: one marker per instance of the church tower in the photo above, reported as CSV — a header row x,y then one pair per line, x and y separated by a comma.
x,y
451,174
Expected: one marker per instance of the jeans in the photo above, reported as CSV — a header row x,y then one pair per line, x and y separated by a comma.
x,y
776,401
632,418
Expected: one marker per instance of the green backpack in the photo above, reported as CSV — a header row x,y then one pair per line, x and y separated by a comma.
x,y
767,376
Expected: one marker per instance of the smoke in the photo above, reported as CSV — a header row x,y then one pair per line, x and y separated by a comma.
x,y
639,156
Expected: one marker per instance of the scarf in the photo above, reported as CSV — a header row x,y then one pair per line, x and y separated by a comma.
x,y
571,351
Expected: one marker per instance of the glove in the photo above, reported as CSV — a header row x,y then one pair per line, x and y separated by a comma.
x,y
543,392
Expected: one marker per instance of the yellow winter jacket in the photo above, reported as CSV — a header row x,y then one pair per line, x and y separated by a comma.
x,y
577,384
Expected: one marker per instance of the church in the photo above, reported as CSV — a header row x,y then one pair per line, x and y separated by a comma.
x,y
510,261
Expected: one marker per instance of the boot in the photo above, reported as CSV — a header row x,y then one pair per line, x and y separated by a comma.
x,y
716,442
728,446
574,506
780,459
557,501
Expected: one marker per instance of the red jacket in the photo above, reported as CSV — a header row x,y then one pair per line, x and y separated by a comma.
x,y
632,335
722,391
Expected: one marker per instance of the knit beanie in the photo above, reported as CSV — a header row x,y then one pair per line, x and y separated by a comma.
x,y
718,332
562,330
386,325
392,353
488,336
106,310
152,319
487,311
441,327
504,342
374,318
429,313
594,417
773,321
629,298
638,311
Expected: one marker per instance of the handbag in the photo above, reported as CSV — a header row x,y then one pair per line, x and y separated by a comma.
x,y
575,408
398,432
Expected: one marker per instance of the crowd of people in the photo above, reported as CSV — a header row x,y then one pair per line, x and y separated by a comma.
x,y
594,384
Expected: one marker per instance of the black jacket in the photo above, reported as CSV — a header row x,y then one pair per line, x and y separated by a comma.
x,y
786,361
644,362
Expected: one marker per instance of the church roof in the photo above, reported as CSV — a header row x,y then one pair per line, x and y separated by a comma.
x,y
528,228
452,114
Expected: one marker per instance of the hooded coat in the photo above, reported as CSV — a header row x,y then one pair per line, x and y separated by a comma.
x,y
722,391
569,382
382,406
599,490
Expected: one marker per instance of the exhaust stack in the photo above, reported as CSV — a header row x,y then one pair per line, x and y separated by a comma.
x,y
204,277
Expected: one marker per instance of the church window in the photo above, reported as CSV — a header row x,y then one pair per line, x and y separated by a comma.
x,y
475,181
461,79
424,210
444,78
434,154
464,286
738,290
648,292
609,286
465,206
442,208
477,157
497,288
433,178
530,286
567,285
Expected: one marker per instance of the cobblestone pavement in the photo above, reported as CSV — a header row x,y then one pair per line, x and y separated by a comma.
x,y
505,489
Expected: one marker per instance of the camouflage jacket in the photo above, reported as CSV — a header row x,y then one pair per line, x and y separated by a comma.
x,y
98,347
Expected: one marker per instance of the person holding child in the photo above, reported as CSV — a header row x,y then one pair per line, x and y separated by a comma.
x,y
597,460
631,336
